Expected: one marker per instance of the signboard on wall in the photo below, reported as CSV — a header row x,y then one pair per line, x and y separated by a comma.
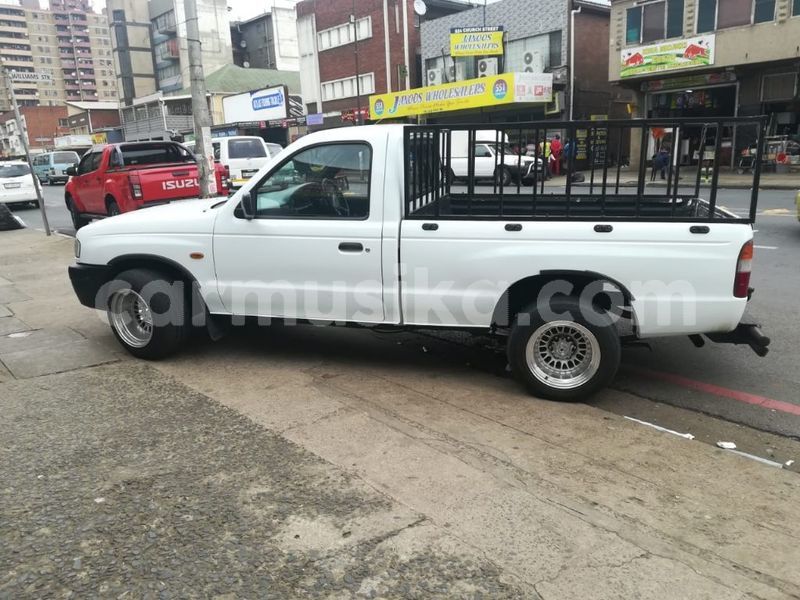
x,y
476,41
672,55
506,88
261,105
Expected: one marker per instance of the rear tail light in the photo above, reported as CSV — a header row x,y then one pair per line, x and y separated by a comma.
x,y
226,177
744,266
136,187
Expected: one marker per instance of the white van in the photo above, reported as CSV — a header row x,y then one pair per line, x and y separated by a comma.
x,y
244,155
494,158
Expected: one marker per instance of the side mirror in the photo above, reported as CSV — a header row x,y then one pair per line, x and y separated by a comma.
x,y
72,171
249,203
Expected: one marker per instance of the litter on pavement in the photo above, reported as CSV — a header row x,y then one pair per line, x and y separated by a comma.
x,y
726,445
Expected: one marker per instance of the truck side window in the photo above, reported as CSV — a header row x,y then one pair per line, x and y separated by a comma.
x,y
88,163
329,181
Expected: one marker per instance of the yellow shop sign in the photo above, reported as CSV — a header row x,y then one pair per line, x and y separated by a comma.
x,y
476,41
506,88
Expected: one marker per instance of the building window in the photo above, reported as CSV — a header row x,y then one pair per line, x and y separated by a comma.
x,y
555,49
655,21
674,18
531,54
343,34
706,15
796,8
346,88
733,13
764,11
633,32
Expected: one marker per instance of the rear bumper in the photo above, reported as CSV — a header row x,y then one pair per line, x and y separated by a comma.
x,y
87,280
21,195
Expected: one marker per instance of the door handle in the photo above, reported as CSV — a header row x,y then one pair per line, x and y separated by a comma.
x,y
699,229
430,226
351,247
603,228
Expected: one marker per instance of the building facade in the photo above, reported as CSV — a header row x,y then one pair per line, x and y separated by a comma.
x,y
170,50
709,58
541,45
69,43
268,41
43,123
129,22
338,72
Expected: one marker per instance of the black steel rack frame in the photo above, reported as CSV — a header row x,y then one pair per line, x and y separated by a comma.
x,y
434,190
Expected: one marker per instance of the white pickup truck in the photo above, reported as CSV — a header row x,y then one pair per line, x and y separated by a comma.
x,y
343,227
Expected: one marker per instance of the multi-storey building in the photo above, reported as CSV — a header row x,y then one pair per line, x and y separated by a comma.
x,y
42,123
337,74
70,43
269,40
709,58
149,44
170,51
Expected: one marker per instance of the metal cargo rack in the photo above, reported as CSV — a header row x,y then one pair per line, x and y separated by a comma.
x,y
432,191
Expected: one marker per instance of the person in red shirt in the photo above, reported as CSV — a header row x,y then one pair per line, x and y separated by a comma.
x,y
555,154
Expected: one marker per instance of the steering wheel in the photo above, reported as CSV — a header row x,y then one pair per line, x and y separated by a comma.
x,y
338,202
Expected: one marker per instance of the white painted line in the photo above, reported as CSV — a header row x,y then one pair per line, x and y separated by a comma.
x,y
765,461
766,247
687,436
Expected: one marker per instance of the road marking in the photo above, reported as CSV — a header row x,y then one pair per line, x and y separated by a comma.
x,y
766,247
717,390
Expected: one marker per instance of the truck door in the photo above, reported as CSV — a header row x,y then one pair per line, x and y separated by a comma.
x,y
89,182
314,249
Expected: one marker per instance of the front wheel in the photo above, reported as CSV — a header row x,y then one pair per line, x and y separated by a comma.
x,y
564,350
78,220
147,311
503,176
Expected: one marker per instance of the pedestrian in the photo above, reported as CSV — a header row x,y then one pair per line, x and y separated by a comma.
x,y
545,150
660,163
555,153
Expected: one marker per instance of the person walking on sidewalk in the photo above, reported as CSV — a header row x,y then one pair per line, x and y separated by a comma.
x,y
555,155
545,150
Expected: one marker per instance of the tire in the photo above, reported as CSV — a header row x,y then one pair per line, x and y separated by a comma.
x,y
582,339
148,313
112,208
503,176
35,203
78,220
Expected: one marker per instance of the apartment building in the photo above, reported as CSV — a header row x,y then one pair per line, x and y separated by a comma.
x,y
709,58
69,42
351,50
269,40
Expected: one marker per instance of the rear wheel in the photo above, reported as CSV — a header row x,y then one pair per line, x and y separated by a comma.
x,y
567,354
113,208
147,311
503,175
78,220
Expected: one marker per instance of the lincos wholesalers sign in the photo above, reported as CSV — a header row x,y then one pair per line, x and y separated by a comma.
x,y
476,41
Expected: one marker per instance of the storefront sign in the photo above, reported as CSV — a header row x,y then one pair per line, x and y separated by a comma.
x,y
688,82
507,88
476,41
262,105
667,56
315,119
99,138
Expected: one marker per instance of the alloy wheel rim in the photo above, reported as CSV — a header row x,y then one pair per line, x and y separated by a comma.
x,y
131,318
563,354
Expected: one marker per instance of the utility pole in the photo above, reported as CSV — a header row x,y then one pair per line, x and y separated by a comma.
x,y
23,136
354,21
202,118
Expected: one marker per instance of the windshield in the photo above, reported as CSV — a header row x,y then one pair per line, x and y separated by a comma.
x,y
14,170
65,158
251,148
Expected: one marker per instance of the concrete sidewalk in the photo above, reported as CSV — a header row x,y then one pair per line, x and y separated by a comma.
x,y
688,177
308,462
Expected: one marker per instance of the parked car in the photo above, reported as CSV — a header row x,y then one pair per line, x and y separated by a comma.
x,y
244,155
51,167
16,183
342,230
494,157
118,178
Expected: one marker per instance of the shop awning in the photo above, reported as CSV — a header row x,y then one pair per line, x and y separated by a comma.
x,y
494,90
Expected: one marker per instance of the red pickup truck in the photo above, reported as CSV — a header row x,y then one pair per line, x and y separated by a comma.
x,y
118,178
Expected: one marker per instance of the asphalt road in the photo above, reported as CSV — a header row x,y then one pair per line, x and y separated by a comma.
x,y
726,381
